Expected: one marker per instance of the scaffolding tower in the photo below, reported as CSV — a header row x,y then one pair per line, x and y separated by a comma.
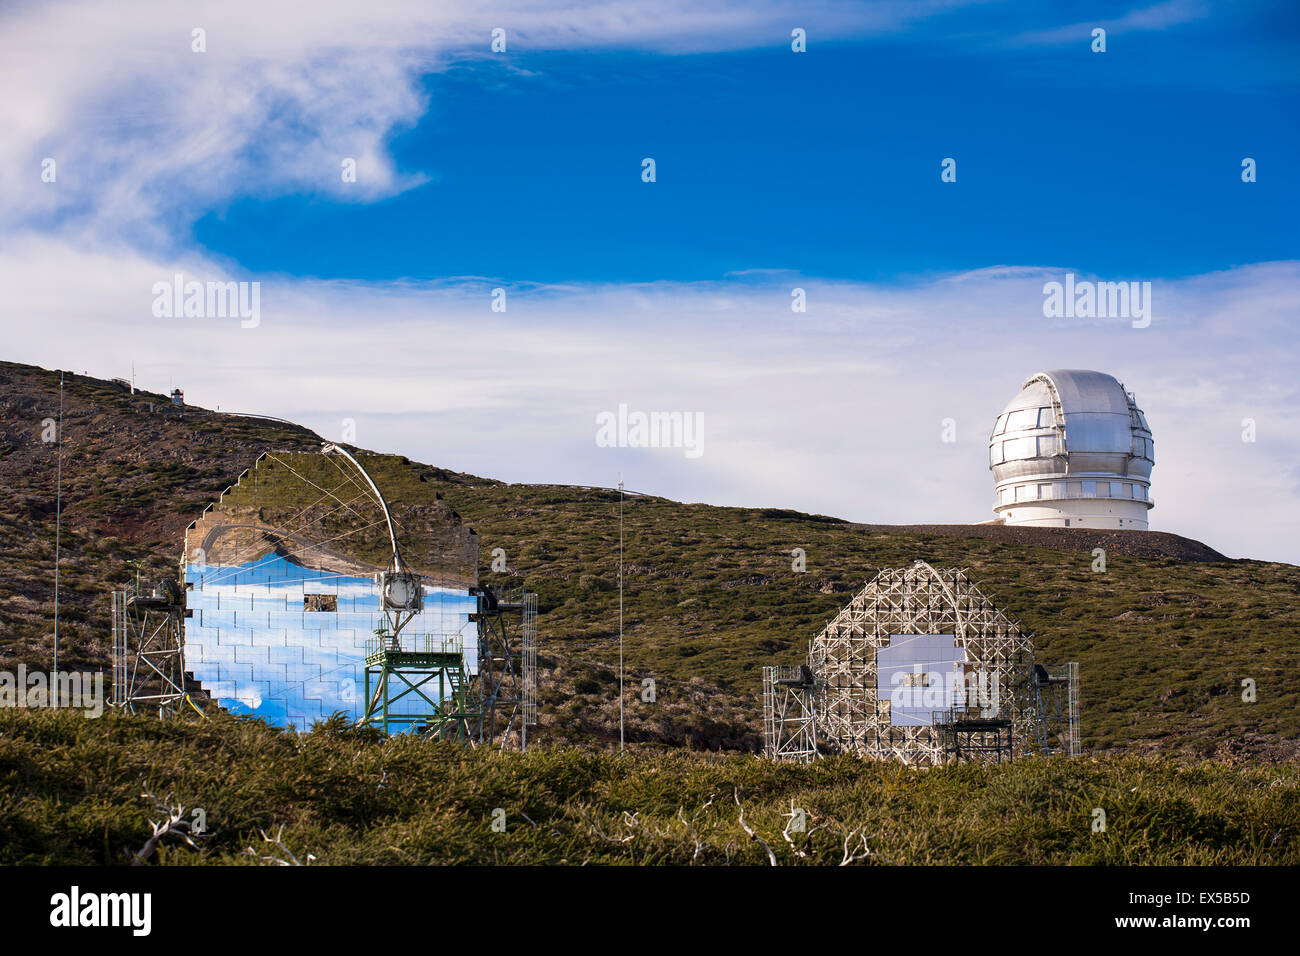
x,y
426,686
419,684
149,652
789,725
529,627
993,701
506,683
1056,698
967,736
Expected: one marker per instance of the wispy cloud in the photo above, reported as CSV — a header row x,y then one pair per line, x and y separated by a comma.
x,y
1159,16
148,134
837,410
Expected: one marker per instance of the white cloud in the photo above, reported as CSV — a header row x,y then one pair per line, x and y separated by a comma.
x,y
837,410
844,420
148,134
1159,16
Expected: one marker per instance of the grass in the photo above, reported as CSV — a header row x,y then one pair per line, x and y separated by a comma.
x,y
70,793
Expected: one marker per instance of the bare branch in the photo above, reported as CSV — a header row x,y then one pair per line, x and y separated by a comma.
x,y
771,857
851,857
856,846
287,857
173,824
594,827
699,845
786,832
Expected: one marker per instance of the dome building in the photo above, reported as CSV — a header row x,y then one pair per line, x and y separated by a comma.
x,y
1072,449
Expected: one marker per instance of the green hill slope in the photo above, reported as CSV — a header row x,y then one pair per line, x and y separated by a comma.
x,y
1164,637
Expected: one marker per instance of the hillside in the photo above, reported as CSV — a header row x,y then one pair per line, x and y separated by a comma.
x,y
1164,637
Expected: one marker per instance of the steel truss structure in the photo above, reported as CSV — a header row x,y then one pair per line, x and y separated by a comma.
x,y
506,683
1056,699
401,676
496,704
992,710
528,628
149,653
789,725
494,707
970,737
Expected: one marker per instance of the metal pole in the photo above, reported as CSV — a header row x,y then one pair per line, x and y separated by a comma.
x,y
58,534
621,737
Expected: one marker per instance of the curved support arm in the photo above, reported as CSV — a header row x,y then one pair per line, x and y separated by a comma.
x,y
392,536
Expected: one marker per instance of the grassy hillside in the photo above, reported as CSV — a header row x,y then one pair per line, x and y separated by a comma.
x,y
71,793
1164,637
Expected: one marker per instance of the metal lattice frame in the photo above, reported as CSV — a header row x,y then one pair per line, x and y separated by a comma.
x,y
789,721
530,661
419,684
1056,696
148,654
916,600
494,707
969,737
506,683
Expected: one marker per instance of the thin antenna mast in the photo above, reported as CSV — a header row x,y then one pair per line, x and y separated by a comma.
x,y
58,534
620,613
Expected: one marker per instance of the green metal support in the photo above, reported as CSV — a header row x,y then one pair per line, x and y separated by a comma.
x,y
399,698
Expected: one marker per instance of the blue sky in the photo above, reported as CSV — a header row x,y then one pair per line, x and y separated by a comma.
x,y
775,171
825,163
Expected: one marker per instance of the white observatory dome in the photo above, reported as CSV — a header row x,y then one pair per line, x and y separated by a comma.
x,y
1072,450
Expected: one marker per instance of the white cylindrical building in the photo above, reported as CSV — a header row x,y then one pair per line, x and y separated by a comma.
x,y
1072,450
